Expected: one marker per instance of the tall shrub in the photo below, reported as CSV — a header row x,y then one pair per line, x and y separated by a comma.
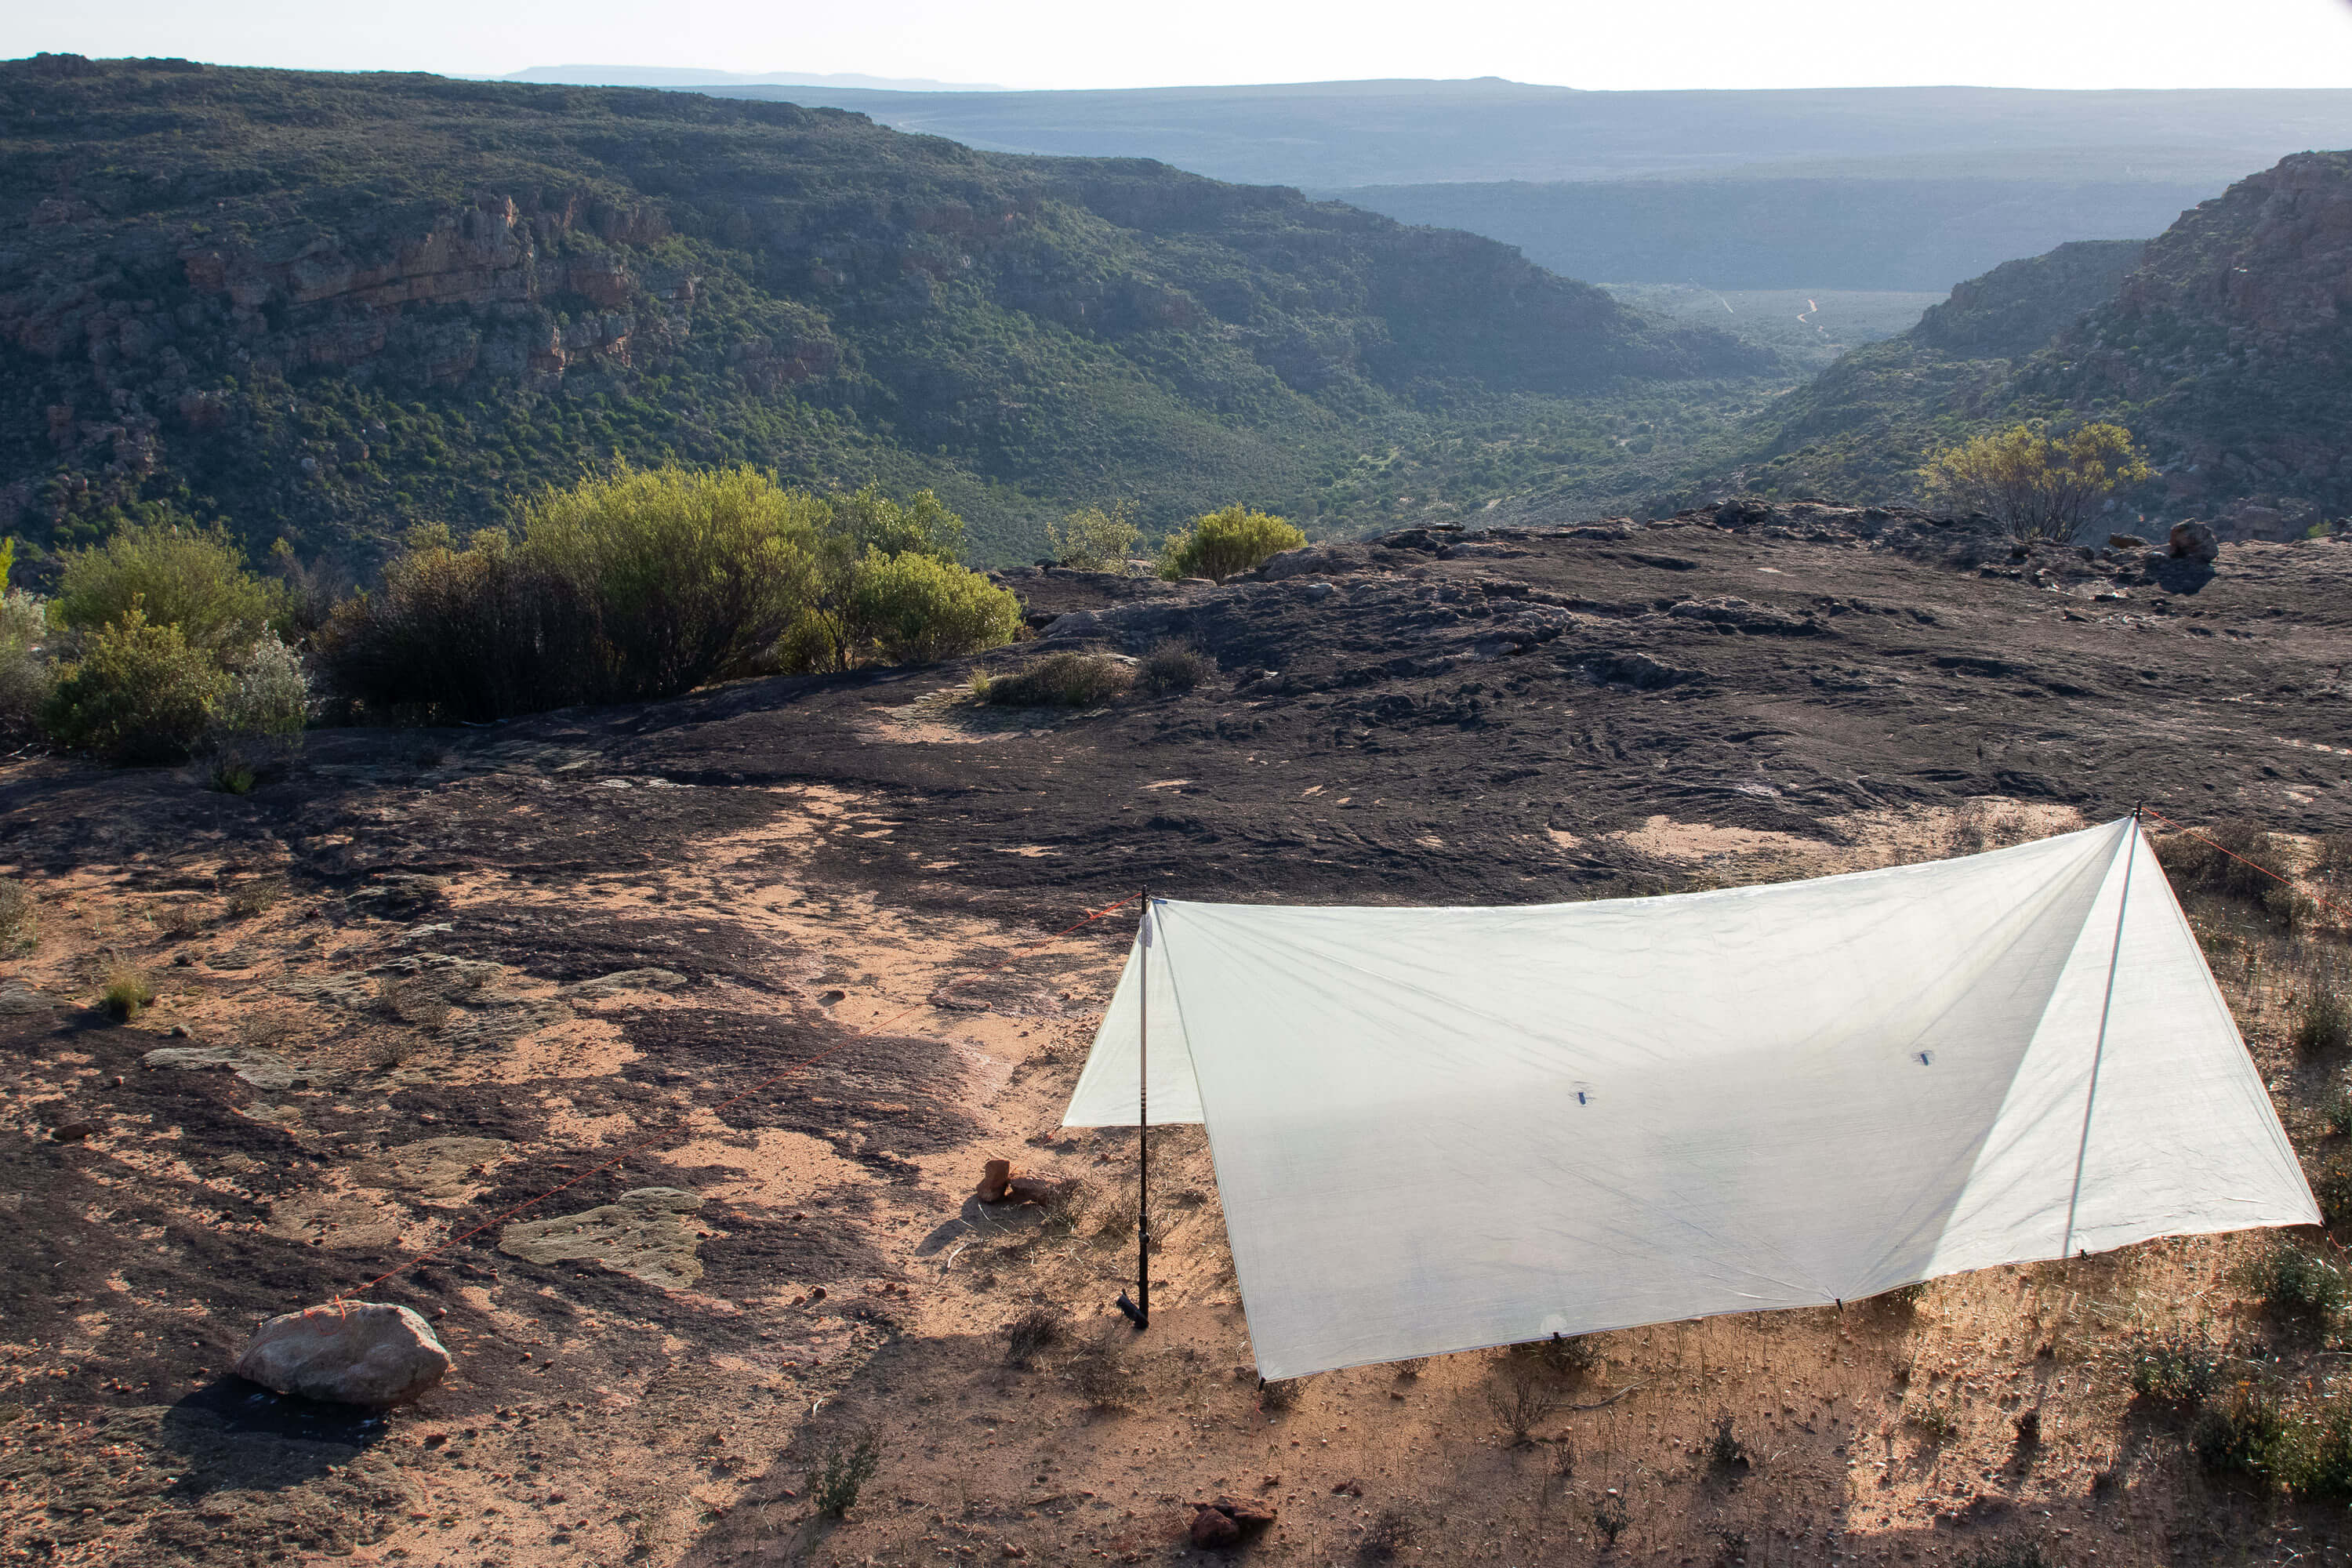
x,y
24,660
137,692
177,575
689,575
1225,543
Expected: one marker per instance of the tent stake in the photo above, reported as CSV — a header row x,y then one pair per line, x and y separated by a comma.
x,y
1143,1125
1138,1311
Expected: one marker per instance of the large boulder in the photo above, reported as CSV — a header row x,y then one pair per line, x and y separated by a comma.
x,y
2193,541
348,1352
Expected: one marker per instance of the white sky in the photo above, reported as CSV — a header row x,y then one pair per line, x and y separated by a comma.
x,y
1087,43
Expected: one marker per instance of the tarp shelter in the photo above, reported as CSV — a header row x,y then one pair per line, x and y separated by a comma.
x,y
1440,1129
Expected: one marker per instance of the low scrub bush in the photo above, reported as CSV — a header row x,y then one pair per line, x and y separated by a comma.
x,y
269,693
138,693
1102,1376
2315,1460
2242,1435
1095,539
2324,1023
1226,542
247,900
2224,860
2335,1112
1390,1531
1030,1332
843,1469
1521,1401
2293,1284
2180,1376
650,582
1062,680
1173,666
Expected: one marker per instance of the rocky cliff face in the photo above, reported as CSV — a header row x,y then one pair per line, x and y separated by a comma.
x,y
2229,349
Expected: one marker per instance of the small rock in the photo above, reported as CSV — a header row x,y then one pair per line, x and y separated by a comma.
x,y
74,1132
2126,542
2193,541
1212,1527
348,1352
995,1177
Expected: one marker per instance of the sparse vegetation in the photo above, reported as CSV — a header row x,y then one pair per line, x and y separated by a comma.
x,y
177,918
843,1468
2326,1021
1032,1332
647,583
25,672
247,900
1410,1369
413,1000
231,774
2175,1373
1062,680
2293,1284
1725,1451
2241,1436
19,915
1280,1393
1611,1517
1173,666
1226,542
1390,1531
1521,1399
1096,538
2035,485
1101,1376
1937,1421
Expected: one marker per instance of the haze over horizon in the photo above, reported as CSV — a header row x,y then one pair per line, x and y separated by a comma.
x,y
1061,44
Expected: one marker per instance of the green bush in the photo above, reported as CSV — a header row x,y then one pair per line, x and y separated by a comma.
x,y
139,693
842,1472
1095,539
918,609
689,574
649,583
182,576
2177,1374
2315,1460
2293,1284
2327,1021
25,672
269,693
1061,681
1225,543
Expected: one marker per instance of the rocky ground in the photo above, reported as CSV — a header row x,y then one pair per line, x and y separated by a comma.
x,y
417,978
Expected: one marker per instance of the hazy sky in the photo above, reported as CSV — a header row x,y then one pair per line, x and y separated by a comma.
x,y
1087,43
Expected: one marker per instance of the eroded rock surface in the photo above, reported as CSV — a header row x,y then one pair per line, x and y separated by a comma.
x,y
642,1235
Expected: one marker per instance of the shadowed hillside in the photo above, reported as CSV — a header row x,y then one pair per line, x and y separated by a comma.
x,y
331,306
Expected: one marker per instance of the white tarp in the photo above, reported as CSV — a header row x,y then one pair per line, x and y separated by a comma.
x,y
1440,1129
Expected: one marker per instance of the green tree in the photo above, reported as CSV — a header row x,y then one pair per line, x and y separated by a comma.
x,y
2034,485
177,575
1222,543
1095,539
140,692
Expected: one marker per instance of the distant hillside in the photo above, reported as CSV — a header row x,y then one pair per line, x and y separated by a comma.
x,y
2225,345
331,306
1893,188
672,76
1861,427
1755,229
1336,134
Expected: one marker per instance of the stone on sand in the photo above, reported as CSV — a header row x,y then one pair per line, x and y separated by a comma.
x,y
346,1353
642,1235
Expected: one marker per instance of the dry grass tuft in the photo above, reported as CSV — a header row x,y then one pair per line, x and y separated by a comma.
x,y
128,992
247,900
1061,681
1030,1332
1102,1376
1521,1401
